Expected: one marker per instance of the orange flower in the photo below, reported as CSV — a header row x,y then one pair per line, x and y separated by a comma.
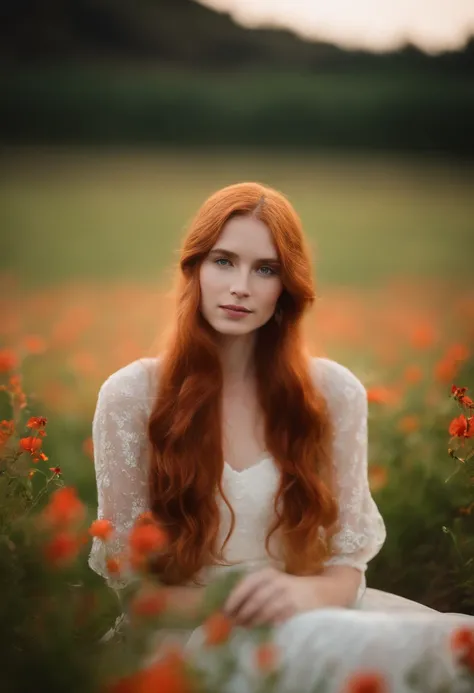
x,y
458,352
102,529
148,602
127,684
378,477
37,422
113,565
366,682
62,549
462,646
146,538
458,392
381,395
30,444
64,508
167,675
8,360
266,657
462,427
217,629
445,370
409,424
34,344
423,337
7,429
88,447
413,374
467,402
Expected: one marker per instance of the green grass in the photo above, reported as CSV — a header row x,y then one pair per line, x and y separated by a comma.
x,y
120,214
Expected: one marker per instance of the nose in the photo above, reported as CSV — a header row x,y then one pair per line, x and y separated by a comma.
x,y
239,286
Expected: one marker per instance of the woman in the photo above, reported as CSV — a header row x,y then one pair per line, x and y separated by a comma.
x,y
253,453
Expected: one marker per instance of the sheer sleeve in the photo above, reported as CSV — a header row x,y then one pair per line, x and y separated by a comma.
x,y
119,434
362,530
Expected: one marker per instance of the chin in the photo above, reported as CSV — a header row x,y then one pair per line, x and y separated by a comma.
x,y
232,328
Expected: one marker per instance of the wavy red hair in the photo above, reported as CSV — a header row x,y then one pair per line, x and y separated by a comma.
x,y
185,424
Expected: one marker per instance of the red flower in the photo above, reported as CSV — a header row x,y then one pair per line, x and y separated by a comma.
x,y
34,344
462,427
266,657
62,549
167,675
217,628
458,391
382,395
37,422
64,508
56,470
7,429
146,538
113,565
148,602
8,360
101,529
462,646
366,682
30,444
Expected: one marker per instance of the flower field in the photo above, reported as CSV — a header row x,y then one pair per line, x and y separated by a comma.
x,y
408,335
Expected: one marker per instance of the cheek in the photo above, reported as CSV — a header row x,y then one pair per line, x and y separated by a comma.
x,y
209,281
272,294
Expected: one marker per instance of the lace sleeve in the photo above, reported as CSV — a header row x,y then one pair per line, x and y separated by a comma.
x,y
120,457
362,530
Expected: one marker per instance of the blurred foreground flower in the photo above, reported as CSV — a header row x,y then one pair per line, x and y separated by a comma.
x,y
462,645
366,682
64,509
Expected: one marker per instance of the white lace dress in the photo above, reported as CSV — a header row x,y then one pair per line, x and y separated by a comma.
x,y
382,631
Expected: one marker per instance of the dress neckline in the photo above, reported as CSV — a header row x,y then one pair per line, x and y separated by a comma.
x,y
265,457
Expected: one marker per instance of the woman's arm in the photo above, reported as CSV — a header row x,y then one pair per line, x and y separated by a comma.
x,y
337,585
361,532
119,435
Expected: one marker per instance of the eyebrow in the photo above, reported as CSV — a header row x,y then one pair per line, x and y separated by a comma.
x,y
230,253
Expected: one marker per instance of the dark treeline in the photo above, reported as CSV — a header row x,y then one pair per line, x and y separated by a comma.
x,y
182,33
157,71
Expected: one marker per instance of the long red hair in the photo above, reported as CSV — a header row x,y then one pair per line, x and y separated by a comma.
x,y
185,425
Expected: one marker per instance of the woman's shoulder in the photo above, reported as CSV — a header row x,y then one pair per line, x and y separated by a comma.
x,y
336,381
136,380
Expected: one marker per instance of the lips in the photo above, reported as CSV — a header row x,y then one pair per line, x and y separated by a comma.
x,y
240,309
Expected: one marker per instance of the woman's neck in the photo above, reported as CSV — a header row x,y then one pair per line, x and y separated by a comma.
x,y
237,360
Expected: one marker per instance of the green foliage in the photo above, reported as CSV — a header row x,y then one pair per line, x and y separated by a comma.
x,y
403,111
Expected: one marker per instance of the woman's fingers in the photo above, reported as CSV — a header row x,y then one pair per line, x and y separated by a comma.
x,y
261,599
245,588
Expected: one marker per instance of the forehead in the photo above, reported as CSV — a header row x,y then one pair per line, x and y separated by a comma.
x,y
247,236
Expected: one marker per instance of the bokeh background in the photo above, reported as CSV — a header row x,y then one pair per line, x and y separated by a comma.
x,y
118,119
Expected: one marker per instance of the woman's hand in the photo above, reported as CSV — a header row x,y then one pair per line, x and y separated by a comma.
x,y
269,597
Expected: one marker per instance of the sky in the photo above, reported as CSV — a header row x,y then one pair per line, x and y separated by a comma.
x,y
377,25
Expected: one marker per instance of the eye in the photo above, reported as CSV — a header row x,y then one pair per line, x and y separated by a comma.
x,y
219,259
268,274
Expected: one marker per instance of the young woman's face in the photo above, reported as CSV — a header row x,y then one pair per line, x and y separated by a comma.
x,y
247,274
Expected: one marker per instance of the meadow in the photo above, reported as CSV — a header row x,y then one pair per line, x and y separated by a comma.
x,y
89,241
